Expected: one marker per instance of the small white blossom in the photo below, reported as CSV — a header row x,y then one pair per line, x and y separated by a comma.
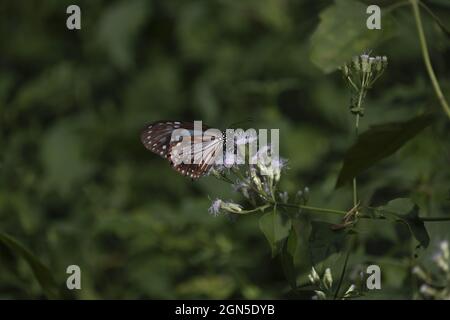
x,y
445,250
441,262
328,279
427,290
215,207
284,196
420,273
231,207
314,277
350,291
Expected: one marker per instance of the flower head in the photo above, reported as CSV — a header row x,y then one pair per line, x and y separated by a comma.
x,y
214,209
219,206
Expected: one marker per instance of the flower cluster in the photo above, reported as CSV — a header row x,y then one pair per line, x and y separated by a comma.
x,y
361,73
219,206
256,182
324,286
436,285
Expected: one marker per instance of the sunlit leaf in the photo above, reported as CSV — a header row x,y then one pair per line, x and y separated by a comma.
x,y
342,33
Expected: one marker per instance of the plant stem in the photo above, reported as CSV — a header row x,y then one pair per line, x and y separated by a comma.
x,y
340,212
360,100
317,209
262,208
426,58
344,268
434,219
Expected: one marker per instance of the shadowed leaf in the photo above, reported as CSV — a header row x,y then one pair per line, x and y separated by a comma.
x,y
40,271
406,211
377,143
275,228
324,241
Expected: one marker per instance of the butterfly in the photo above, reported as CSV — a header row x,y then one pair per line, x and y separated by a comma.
x,y
168,140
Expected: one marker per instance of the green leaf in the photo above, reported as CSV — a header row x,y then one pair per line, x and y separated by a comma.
x,y
342,33
377,143
40,271
408,212
287,258
323,241
275,228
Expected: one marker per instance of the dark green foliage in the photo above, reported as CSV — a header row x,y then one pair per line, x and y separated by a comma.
x,y
77,186
379,142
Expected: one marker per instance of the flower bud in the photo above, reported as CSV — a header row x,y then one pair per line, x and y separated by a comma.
x,y
284,196
314,277
420,273
327,279
320,295
356,63
441,262
365,65
255,179
349,291
427,290
444,248
231,207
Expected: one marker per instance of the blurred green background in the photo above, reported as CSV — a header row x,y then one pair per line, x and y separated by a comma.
x,y
77,186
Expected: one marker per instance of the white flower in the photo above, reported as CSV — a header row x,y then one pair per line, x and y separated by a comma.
x,y
441,262
255,179
231,207
215,207
278,165
349,291
284,196
427,290
314,277
245,138
444,248
420,273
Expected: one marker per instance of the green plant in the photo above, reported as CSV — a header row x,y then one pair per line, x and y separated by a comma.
x,y
283,222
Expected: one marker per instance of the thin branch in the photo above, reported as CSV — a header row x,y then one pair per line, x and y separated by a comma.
x,y
426,58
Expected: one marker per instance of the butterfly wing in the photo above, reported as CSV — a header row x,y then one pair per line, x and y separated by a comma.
x,y
156,136
201,155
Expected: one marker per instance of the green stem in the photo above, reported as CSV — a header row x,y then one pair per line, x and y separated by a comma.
x,y
262,208
360,99
344,268
317,209
340,212
434,219
426,58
